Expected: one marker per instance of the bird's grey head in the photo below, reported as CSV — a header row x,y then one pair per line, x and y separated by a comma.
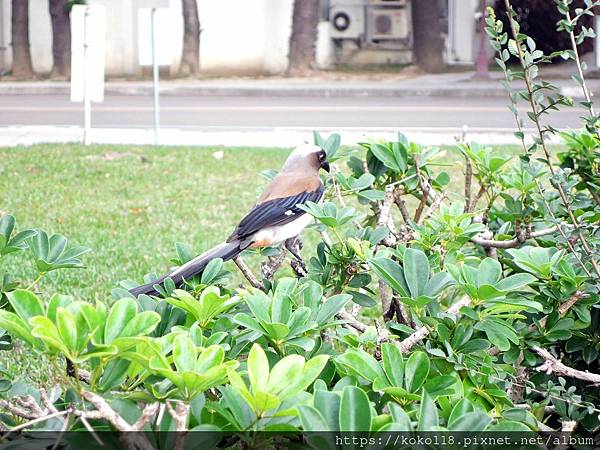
x,y
306,157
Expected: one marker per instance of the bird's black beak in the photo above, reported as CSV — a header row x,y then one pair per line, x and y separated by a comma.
x,y
325,165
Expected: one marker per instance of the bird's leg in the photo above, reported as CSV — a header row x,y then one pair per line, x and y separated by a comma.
x,y
294,245
272,265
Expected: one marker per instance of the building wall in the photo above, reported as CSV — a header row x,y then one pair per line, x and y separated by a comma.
x,y
238,36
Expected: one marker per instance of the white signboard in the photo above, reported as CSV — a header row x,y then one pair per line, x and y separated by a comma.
x,y
88,25
163,36
155,4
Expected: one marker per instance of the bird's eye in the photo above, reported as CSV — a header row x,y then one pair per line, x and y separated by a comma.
x,y
321,156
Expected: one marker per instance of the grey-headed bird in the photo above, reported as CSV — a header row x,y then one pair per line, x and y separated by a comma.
x,y
275,218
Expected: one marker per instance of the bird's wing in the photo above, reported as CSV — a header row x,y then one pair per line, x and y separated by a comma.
x,y
278,207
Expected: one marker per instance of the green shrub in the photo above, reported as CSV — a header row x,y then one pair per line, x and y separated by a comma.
x,y
428,304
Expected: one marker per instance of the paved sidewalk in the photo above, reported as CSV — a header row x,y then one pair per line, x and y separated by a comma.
x,y
459,84
215,137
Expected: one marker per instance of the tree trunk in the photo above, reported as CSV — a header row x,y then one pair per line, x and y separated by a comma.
x,y
190,55
21,63
305,20
61,38
428,44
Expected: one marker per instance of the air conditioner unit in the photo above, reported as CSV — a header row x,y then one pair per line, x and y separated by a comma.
x,y
347,18
388,20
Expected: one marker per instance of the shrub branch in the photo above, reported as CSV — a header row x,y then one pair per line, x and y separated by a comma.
x,y
515,242
247,272
553,365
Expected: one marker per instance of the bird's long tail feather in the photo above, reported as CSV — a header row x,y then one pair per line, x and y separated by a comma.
x,y
194,267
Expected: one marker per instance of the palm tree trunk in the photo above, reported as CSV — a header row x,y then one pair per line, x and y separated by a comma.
x,y
61,38
190,55
305,20
21,63
427,35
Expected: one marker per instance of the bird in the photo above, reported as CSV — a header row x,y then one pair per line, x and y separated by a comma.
x,y
274,219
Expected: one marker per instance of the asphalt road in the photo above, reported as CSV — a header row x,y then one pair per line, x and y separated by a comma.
x,y
485,114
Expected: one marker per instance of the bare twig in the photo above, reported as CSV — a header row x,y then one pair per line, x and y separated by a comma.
x,y
434,206
384,211
107,413
46,401
90,429
29,402
553,365
36,420
385,218
516,391
131,441
148,412
425,189
247,272
420,334
517,388
359,326
386,296
270,267
326,238
17,411
568,426
401,205
563,308
63,428
468,182
180,417
482,190
512,243
179,414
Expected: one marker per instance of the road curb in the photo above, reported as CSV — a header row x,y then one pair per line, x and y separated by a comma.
x,y
278,91
211,137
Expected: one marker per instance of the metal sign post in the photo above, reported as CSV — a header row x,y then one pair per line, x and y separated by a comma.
x,y
597,42
87,101
88,25
158,51
155,76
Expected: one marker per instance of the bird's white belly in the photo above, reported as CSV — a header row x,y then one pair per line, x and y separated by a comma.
x,y
278,234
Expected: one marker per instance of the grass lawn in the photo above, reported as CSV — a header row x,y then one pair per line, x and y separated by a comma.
x,y
130,209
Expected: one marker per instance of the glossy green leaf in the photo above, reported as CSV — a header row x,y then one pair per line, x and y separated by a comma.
x,y
312,420
471,422
355,410
416,371
428,414
331,307
328,405
258,368
26,304
119,316
361,363
390,272
393,364
184,354
488,272
416,271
